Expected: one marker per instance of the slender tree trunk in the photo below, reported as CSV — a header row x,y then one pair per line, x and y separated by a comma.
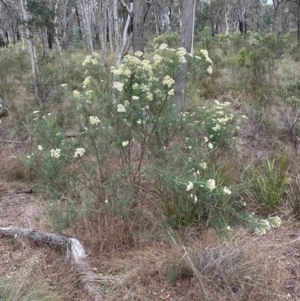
x,y
298,24
126,38
187,27
78,22
85,13
64,24
31,48
139,10
56,29
110,26
226,21
101,24
116,26
187,36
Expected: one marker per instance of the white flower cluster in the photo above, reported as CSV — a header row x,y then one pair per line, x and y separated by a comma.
x,y
157,59
266,224
211,184
125,143
207,58
118,86
86,82
181,52
89,96
205,54
94,120
138,53
121,109
189,186
226,190
79,152
218,119
76,94
168,81
163,46
55,153
91,59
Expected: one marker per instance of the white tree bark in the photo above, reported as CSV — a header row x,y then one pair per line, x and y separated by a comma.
x,y
226,19
126,39
110,13
187,37
64,23
56,29
101,25
116,26
85,11
31,48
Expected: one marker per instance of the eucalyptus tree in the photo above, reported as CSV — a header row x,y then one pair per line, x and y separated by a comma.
x,y
85,12
10,22
187,42
31,47
297,14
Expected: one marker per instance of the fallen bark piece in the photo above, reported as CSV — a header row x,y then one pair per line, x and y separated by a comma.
x,y
74,251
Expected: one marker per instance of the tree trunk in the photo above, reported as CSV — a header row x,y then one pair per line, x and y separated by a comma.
x,y
85,14
139,10
298,24
31,48
78,22
187,25
110,18
56,29
187,37
116,26
126,38
64,24
101,24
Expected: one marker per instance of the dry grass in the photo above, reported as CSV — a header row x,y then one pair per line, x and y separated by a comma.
x,y
30,272
243,267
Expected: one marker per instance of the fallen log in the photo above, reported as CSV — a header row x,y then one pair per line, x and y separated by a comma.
x,y
74,252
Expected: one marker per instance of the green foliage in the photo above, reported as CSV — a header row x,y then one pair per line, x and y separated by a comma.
x,y
14,65
41,15
268,184
171,39
192,192
258,60
293,195
220,124
289,110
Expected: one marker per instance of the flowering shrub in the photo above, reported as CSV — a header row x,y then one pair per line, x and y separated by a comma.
x,y
132,134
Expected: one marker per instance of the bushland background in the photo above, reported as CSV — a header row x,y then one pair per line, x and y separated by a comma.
x,y
163,135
